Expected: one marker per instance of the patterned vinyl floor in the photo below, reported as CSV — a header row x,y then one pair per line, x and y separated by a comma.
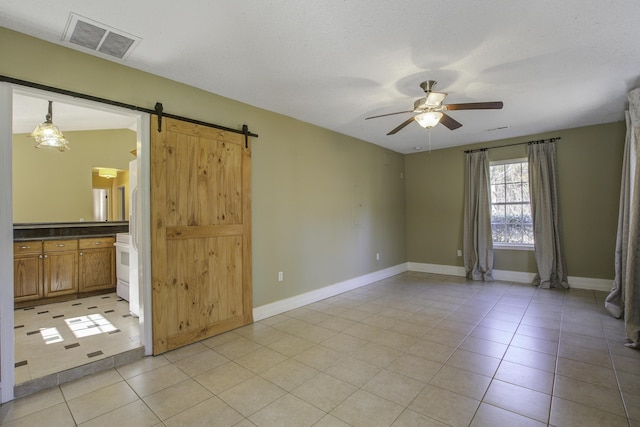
x,y
59,336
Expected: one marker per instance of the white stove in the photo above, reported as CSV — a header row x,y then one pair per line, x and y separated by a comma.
x,y
127,272
123,249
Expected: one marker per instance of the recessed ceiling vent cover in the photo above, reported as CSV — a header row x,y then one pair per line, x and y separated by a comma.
x,y
98,37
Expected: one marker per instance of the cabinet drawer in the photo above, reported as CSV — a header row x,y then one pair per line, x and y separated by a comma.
x,y
60,245
98,242
30,247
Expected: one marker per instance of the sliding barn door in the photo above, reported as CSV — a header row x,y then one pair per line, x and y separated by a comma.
x,y
200,232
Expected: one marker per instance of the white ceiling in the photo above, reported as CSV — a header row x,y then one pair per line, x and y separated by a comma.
x,y
554,64
30,109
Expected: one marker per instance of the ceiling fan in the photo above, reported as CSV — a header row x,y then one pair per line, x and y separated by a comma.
x,y
430,109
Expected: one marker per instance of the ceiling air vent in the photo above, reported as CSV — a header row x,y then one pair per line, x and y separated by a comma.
x,y
98,37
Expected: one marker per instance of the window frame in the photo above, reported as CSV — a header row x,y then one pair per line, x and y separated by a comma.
x,y
508,245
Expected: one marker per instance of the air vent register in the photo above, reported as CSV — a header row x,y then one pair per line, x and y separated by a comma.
x,y
98,37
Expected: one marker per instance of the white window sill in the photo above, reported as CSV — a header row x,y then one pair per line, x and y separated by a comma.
x,y
512,247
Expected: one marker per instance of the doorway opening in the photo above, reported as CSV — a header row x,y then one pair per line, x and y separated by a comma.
x,y
65,340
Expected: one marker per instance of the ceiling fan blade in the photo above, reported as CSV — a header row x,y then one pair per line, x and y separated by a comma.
x,y
402,125
497,105
450,122
388,114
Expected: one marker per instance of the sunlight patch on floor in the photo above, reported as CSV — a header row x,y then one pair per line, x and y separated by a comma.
x,y
85,326
51,335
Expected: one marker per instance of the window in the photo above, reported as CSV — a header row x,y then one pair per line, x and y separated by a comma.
x,y
510,205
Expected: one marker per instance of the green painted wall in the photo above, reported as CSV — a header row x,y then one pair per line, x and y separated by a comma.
x,y
323,203
50,186
589,163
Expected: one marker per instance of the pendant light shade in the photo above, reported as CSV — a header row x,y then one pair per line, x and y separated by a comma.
x,y
47,135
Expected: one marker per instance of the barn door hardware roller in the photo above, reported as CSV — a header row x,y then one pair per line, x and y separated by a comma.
x,y
158,110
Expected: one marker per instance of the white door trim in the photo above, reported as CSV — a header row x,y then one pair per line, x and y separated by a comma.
x,y
7,355
7,350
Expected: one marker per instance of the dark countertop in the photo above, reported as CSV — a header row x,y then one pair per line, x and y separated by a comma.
x,y
69,237
68,230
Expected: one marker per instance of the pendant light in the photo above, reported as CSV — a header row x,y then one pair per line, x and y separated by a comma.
x,y
47,135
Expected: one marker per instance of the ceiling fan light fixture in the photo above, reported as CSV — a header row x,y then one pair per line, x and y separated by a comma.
x,y
434,99
429,119
47,134
429,110
431,100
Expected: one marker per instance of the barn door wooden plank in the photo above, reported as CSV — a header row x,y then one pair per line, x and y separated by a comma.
x,y
201,233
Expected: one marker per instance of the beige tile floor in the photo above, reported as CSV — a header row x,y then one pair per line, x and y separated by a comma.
x,y
412,350
56,337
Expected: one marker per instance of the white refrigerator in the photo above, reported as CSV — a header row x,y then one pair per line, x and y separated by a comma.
x,y
134,289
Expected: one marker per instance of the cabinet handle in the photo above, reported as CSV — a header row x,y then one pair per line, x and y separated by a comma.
x,y
81,253
46,256
97,243
60,245
25,247
40,257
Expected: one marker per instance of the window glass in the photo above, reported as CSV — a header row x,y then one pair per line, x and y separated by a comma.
x,y
510,206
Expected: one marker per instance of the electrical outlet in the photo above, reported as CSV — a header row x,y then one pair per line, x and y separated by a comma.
x,y
459,252
280,276
377,257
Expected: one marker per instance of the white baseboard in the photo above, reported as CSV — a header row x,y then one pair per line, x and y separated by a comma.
x,y
449,270
454,270
277,307
298,301
590,284
513,276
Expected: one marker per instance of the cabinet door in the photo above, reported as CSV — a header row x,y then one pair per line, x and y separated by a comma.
x,y
60,273
97,268
27,277
27,270
60,267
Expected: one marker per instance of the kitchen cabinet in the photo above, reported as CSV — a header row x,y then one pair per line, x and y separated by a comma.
x,y
97,264
60,267
27,271
52,270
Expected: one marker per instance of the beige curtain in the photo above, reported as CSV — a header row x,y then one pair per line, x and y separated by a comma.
x,y
624,299
615,300
543,188
478,241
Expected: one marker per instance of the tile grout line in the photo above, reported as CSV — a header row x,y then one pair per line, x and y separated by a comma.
x,y
502,359
77,310
555,367
468,335
564,317
615,373
475,325
628,418
404,352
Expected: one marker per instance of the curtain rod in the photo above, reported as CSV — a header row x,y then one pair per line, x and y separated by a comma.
x,y
244,131
536,141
